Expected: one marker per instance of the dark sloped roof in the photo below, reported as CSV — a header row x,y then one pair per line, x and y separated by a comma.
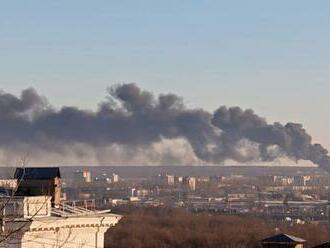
x,y
41,173
5,192
324,245
283,239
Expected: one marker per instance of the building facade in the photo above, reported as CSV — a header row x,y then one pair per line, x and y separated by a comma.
x,y
33,221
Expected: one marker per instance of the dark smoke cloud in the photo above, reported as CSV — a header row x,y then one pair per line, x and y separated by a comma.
x,y
290,140
135,120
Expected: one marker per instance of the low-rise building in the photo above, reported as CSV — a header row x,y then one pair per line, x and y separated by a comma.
x,y
283,240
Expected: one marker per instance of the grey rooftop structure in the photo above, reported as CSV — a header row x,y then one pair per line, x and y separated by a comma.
x,y
37,173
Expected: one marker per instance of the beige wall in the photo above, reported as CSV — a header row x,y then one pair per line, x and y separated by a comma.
x,y
72,232
8,183
25,207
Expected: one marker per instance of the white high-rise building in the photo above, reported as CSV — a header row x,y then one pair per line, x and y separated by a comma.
x,y
170,180
87,176
115,178
83,176
190,182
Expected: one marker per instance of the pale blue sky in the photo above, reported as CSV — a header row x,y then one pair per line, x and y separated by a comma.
x,y
272,56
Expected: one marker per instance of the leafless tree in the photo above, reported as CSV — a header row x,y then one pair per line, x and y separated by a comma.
x,y
7,234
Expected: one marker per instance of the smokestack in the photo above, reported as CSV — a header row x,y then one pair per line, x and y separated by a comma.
x,y
136,120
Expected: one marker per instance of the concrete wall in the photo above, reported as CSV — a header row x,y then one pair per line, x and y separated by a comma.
x,y
25,207
8,183
72,232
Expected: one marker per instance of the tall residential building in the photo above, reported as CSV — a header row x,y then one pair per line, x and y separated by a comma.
x,y
83,176
190,182
170,180
87,176
115,178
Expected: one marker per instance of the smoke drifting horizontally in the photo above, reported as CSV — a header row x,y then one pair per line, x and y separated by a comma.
x,y
135,124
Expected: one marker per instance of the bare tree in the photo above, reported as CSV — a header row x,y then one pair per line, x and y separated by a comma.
x,y
7,234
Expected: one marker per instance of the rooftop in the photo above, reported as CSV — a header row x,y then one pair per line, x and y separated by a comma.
x,y
37,173
324,245
283,239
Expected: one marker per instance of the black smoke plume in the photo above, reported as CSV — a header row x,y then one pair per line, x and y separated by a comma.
x,y
137,119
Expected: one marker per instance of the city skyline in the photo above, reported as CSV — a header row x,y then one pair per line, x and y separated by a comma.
x,y
177,123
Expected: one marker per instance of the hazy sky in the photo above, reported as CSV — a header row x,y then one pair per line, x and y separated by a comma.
x,y
272,56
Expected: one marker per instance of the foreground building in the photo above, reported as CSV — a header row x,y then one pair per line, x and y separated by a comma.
x,y
35,181
35,221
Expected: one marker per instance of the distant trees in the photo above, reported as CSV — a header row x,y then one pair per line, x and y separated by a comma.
x,y
175,228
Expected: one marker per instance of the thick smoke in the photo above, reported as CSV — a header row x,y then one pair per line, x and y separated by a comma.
x,y
135,123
